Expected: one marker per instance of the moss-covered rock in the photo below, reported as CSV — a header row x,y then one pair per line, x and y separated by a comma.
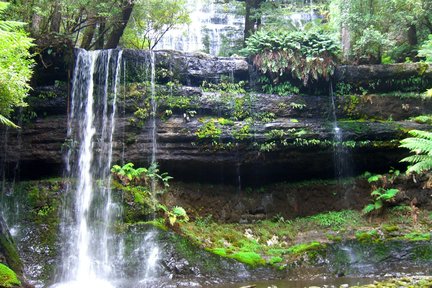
x,y
8,278
8,249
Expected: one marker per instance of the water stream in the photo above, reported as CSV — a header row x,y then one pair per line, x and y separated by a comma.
x,y
88,209
214,26
341,154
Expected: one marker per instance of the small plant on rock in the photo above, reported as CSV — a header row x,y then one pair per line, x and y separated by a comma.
x,y
175,215
380,193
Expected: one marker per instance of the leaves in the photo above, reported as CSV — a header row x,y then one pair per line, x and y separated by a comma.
x,y
421,145
15,67
128,175
303,55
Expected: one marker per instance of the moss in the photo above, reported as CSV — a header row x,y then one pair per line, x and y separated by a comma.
x,y
275,260
388,228
9,250
417,236
219,251
306,247
8,278
250,258
367,236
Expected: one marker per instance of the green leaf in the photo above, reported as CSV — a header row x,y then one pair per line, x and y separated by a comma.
x,y
374,178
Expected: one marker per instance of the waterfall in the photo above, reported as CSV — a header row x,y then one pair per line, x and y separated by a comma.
x,y
213,26
88,208
341,154
148,242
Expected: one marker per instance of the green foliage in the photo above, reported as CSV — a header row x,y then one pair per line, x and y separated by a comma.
x,y
382,27
381,195
423,119
335,219
426,49
15,66
151,19
371,44
8,278
209,131
283,89
421,145
175,215
242,133
127,175
305,56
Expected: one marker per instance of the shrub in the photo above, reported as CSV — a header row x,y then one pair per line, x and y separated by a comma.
x,y
302,55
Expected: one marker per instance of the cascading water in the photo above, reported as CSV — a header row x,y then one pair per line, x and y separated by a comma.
x,y
149,242
341,157
211,23
88,213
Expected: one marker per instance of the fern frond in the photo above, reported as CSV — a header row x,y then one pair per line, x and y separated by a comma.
x,y
420,166
416,158
421,134
418,145
3,6
11,25
5,121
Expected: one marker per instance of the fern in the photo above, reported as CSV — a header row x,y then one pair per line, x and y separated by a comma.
x,y
5,121
421,145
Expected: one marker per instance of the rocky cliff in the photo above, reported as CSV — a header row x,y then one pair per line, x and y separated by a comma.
x,y
211,128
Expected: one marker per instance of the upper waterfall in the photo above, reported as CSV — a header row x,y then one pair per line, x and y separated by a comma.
x,y
214,27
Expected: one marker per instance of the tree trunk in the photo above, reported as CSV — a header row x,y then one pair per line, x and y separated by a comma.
x,y
101,33
118,29
35,25
56,18
251,22
89,34
412,35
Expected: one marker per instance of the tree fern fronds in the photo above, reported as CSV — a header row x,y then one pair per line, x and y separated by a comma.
x,y
421,134
7,122
420,167
421,145
417,145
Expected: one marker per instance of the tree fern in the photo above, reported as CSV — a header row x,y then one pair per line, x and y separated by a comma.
x,y
15,66
5,121
421,145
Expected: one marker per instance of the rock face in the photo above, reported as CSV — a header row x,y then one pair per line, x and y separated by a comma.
x,y
223,133
8,253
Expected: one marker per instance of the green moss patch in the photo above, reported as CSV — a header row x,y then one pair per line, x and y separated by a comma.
x,y
8,278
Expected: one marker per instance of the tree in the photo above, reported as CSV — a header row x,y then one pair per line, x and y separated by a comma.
x,y
151,20
15,66
83,23
392,27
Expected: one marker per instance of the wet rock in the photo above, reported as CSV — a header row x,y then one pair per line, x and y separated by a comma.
x,y
190,68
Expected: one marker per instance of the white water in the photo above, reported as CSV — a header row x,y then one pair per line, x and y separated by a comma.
x,y
211,25
88,212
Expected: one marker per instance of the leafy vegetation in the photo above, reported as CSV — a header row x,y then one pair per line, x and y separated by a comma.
x,y
127,175
139,188
150,21
421,145
15,66
175,215
381,194
305,56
